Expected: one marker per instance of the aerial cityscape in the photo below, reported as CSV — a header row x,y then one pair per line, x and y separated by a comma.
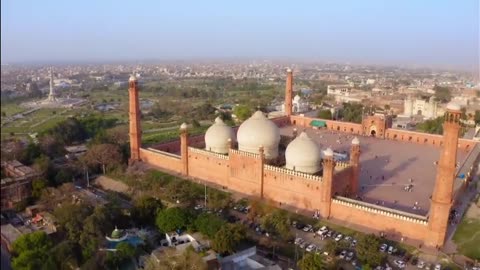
x,y
211,135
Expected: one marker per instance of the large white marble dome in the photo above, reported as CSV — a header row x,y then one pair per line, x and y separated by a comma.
x,y
259,131
303,154
217,137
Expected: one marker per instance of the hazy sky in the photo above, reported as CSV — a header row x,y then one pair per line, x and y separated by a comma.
x,y
420,32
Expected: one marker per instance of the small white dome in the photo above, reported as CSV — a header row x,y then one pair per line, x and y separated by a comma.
x,y
183,126
289,70
132,78
297,99
258,131
218,137
453,106
356,141
328,152
303,154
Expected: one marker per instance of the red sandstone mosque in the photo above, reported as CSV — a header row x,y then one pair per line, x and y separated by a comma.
x,y
269,159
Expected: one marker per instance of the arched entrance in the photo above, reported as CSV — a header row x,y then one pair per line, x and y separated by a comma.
x,y
419,112
373,131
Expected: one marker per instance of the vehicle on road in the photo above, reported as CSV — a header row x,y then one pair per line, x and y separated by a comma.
x,y
383,247
343,254
399,263
311,248
428,266
298,241
438,266
421,264
354,243
308,228
303,245
349,256
338,237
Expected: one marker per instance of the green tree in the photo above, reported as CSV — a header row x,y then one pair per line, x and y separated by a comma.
x,y
104,155
477,117
38,186
144,210
171,219
31,251
71,218
208,224
312,261
66,255
367,250
171,260
433,126
278,223
228,237
124,252
325,114
242,112
442,94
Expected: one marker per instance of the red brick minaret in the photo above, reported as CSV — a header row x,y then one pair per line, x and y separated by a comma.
x,y
355,163
443,191
289,93
134,116
327,180
184,147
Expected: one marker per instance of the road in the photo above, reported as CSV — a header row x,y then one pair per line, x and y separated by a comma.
x,y
5,264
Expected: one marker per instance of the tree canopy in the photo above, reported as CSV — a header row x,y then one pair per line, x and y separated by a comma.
x,y
325,114
312,261
227,238
367,250
433,126
31,251
171,219
104,155
242,112
442,93
277,223
208,224
145,209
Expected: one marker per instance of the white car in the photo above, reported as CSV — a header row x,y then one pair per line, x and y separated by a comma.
x,y
298,241
438,266
383,247
387,267
347,238
307,228
420,264
349,256
354,243
339,237
391,250
311,248
343,254
399,263
303,245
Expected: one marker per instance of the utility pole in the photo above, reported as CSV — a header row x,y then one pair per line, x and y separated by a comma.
x,y
205,184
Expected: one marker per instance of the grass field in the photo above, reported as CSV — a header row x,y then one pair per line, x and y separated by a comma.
x,y
467,238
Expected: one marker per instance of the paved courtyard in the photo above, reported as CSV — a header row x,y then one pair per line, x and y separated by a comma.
x,y
386,168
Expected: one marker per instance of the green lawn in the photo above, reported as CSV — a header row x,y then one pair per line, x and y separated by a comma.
x,y
467,238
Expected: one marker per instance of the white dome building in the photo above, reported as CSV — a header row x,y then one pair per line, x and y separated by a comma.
x,y
303,154
217,137
258,131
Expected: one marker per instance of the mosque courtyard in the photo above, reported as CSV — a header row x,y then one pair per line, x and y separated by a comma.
x,y
387,167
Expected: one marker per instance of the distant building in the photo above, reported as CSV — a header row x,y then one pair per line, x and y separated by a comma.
x,y
17,185
299,105
428,109
343,93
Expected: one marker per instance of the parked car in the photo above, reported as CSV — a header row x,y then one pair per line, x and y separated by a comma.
x,y
348,238
343,254
311,248
330,233
338,237
383,247
420,264
299,226
387,267
391,250
298,241
354,243
428,266
349,256
438,266
303,244
400,264
308,228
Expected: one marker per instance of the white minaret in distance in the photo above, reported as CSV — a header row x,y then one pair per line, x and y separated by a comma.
x,y
51,95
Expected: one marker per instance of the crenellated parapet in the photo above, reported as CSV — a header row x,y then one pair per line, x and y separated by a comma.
x,y
341,165
293,173
384,211
207,153
244,153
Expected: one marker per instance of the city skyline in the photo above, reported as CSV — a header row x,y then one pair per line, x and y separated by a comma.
x,y
426,34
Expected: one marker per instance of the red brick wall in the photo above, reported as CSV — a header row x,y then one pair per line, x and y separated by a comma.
x,y
161,160
208,167
245,176
341,181
291,190
393,227
424,138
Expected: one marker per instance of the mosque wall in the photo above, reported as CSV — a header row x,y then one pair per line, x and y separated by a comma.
x,y
281,121
245,172
425,138
288,187
341,181
347,127
161,159
208,166
395,226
